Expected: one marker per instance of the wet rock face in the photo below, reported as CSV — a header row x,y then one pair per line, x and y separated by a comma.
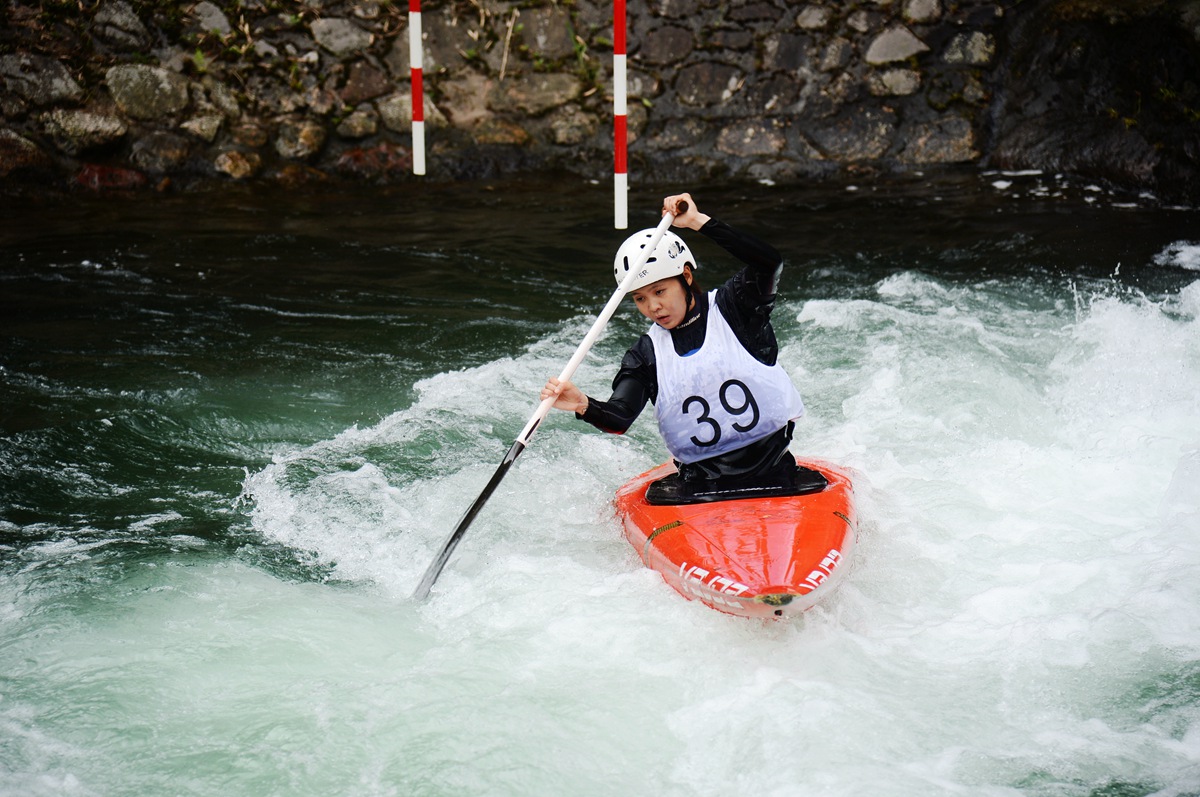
x,y
1110,91
118,25
769,90
20,157
76,132
38,80
147,92
342,37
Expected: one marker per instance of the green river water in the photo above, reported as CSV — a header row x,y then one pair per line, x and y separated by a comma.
x,y
236,427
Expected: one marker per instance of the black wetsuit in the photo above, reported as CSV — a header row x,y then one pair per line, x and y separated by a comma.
x,y
746,301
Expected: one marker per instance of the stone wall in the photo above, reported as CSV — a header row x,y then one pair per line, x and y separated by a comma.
x,y
123,93
1108,90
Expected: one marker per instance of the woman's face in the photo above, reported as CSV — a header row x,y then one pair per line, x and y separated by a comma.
x,y
664,302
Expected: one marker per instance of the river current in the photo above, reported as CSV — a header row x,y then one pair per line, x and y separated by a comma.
x,y
236,429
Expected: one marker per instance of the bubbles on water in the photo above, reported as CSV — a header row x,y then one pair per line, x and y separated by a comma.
x,y
1181,254
1014,443
376,503
1020,596
1020,616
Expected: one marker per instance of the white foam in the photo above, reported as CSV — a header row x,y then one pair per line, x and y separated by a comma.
x,y
1181,254
1022,593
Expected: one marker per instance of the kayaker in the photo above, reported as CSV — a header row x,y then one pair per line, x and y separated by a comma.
x,y
725,407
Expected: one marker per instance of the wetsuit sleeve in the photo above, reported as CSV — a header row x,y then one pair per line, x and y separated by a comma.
x,y
635,383
747,299
756,284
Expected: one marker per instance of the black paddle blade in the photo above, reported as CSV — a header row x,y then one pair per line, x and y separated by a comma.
x,y
435,567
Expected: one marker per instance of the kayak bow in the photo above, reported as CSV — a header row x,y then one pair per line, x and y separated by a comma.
x,y
754,557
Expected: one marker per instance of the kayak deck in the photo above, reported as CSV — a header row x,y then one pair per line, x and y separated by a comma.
x,y
754,557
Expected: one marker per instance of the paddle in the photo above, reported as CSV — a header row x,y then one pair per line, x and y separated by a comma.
x,y
519,445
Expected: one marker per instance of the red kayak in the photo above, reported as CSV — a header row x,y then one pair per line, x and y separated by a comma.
x,y
753,556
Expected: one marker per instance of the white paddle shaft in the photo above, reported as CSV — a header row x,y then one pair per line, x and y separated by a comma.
x,y
443,556
593,334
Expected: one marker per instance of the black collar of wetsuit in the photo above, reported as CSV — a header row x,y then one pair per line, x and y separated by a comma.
x,y
689,335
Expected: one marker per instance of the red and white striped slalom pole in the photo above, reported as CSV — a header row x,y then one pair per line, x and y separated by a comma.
x,y
418,89
620,163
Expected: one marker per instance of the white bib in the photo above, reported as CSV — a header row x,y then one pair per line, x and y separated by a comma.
x,y
718,398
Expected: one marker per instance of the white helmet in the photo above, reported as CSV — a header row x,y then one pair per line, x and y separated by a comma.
x,y
667,259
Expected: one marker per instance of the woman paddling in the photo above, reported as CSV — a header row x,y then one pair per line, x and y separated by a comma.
x,y
725,407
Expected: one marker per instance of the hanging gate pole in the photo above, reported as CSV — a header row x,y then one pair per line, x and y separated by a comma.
x,y
418,89
620,131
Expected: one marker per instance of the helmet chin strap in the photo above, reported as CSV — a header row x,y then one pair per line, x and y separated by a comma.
x,y
692,302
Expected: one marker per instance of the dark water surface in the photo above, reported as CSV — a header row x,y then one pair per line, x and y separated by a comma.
x,y
234,427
